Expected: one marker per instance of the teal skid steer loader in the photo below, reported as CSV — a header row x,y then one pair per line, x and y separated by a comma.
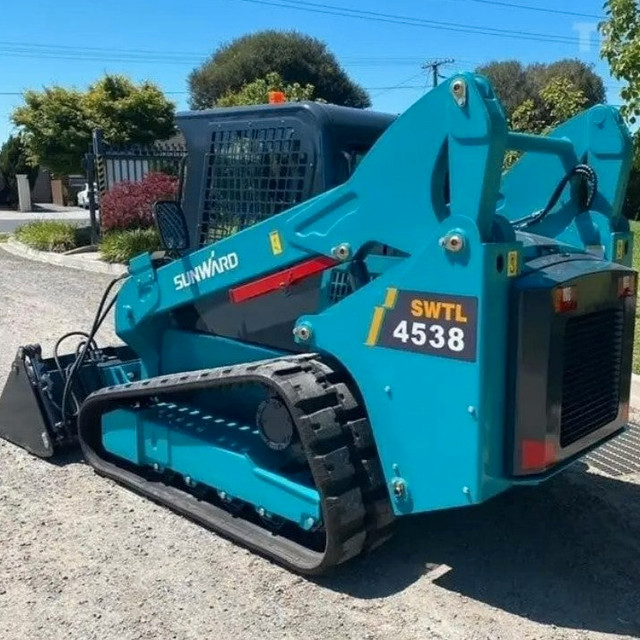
x,y
356,318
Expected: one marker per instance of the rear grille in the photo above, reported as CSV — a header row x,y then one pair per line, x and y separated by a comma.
x,y
591,373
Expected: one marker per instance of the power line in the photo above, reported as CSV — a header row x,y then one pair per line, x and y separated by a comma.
x,y
375,16
96,54
401,85
527,7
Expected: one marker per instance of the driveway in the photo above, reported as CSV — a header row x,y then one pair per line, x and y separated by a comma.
x,y
85,559
10,220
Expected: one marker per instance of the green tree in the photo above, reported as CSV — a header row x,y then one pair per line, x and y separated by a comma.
x,y
510,82
521,88
257,92
556,102
56,128
621,49
632,199
298,58
14,161
57,122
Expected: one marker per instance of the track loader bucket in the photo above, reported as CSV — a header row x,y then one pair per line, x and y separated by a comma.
x,y
23,414
31,413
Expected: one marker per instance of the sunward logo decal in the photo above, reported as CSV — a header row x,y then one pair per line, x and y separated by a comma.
x,y
209,268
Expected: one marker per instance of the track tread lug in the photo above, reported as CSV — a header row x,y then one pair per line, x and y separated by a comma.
x,y
372,476
361,434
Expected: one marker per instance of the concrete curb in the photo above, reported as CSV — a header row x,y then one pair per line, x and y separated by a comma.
x,y
83,262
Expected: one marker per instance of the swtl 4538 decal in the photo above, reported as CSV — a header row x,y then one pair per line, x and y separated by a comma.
x,y
428,323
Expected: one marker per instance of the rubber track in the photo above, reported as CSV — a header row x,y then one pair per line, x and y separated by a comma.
x,y
336,437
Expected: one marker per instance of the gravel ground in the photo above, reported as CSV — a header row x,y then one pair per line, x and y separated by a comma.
x,y
83,558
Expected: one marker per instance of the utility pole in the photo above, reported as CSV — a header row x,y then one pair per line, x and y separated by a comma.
x,y
434,66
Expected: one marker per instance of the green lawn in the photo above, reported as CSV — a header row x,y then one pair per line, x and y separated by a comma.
x,y
635,227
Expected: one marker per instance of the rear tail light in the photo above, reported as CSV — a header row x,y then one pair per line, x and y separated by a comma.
x,y
627,286
565,299
538,455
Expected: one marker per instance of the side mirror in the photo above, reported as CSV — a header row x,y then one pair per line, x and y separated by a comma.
x,y
171,224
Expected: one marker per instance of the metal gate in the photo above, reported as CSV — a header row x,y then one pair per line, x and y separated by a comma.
x,y
132,163
108,165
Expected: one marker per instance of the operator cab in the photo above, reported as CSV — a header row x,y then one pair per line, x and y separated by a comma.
x,y
247,164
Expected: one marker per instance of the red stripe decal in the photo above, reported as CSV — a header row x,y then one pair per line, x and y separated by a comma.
x,y
281,279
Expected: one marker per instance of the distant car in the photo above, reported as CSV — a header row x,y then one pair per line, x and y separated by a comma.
x,y
83,196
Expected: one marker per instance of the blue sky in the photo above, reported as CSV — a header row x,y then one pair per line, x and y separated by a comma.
x,y
72,43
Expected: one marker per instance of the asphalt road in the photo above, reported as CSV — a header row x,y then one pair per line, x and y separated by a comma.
x,y
85,559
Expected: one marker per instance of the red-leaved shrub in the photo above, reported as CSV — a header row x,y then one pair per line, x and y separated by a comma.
x,y
129,205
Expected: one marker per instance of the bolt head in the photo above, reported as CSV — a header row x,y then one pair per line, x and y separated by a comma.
x,y
399,489
303,333
342,251
459,91
453,242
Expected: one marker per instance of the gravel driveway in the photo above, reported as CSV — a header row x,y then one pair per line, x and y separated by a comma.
x,y
83,558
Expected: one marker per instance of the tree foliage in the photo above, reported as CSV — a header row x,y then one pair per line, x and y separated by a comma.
x,y
296,57
14,161
510,82
129,113
57,122
621,49
556,102
257,92
632,198
522,87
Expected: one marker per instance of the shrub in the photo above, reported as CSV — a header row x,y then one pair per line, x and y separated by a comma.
x,y
4,237
122,245
48,235
129,205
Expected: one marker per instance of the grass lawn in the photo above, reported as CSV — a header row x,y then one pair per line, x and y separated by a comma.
x,y
635,227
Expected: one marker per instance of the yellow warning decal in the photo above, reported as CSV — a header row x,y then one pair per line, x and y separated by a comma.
x,y
513,264
620,249
391,298
276,243
376,324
